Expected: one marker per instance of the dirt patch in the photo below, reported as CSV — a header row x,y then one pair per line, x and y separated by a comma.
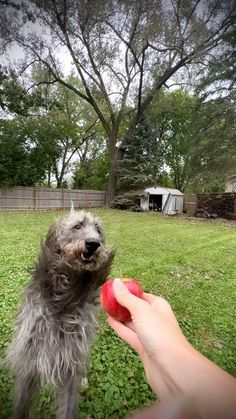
x,y
217,221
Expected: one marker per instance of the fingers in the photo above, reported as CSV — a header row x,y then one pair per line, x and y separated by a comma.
x,y
148,297
130,325
157,301
126,299
135,304
160,305
125,333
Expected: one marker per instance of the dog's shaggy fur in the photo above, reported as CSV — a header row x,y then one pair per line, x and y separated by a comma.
x,y
55,325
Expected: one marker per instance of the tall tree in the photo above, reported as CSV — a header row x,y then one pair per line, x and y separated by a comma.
x,y
163,141
26,146
172,114
92,167
15,98
70,121
52,122
214,152
142,162
22,162
124,52
220,76
213,155
76,125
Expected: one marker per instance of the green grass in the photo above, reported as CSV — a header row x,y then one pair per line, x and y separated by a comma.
x,y
192,264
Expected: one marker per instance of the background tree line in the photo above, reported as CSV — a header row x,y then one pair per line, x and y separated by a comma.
x,y
128,114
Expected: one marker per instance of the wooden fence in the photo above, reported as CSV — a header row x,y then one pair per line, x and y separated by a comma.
x,y
190,203
31,198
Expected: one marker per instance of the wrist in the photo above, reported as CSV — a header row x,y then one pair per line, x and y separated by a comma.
x,y
210,389
172,365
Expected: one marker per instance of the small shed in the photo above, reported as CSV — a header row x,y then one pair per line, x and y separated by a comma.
x,y
230,184
167,200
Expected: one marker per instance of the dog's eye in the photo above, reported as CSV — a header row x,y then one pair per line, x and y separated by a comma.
x,y
98,229
78,226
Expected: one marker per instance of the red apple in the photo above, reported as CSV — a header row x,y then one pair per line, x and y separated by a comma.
x,y
111,305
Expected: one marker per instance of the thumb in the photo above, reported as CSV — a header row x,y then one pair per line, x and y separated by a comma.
x,y
126,299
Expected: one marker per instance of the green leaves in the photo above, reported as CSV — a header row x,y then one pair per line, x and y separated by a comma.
x,y
142,159
44,135
112,388
213,150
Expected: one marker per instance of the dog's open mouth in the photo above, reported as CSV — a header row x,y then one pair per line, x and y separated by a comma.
x,y
87,257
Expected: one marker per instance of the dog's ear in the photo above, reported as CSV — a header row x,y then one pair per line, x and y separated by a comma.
x,y
51,238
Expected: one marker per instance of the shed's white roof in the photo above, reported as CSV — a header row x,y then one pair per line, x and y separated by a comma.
x,y
158,190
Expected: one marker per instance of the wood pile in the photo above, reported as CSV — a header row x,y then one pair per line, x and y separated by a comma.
x,y
213,205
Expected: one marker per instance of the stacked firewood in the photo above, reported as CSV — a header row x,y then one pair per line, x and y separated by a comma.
x,y
212,206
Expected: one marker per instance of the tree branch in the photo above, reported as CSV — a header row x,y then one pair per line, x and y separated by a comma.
x,y
90,97
140,89
98,74
157,85
42,83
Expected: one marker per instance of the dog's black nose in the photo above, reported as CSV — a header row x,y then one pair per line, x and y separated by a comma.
x,y
92,245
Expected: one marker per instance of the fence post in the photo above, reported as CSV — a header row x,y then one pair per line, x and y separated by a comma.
x,y
234,203
63,199
35,198
197,201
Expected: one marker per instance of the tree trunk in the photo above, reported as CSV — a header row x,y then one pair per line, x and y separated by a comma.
x,y
111,186
49,177
60,176
115,155
60,180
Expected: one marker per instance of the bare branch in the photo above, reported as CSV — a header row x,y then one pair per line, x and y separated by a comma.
x,y
127,43
190,16
12,4
45,82
167,49
26,66
78,147
140,89
78,66
157,85
91,126
117,74
98,74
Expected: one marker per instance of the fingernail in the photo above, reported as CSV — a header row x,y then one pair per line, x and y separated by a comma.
x,y
118,284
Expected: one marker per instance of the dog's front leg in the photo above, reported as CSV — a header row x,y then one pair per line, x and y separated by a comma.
x,y
25,390
67,399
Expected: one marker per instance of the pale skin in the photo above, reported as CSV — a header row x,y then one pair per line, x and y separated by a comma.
x,y
187,384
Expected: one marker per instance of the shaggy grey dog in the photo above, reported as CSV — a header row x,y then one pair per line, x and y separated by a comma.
x,y
55,325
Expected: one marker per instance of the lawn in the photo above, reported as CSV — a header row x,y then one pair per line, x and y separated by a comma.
x,y
190,263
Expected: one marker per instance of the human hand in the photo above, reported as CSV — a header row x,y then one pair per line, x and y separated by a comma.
x,y
174,369
153,332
